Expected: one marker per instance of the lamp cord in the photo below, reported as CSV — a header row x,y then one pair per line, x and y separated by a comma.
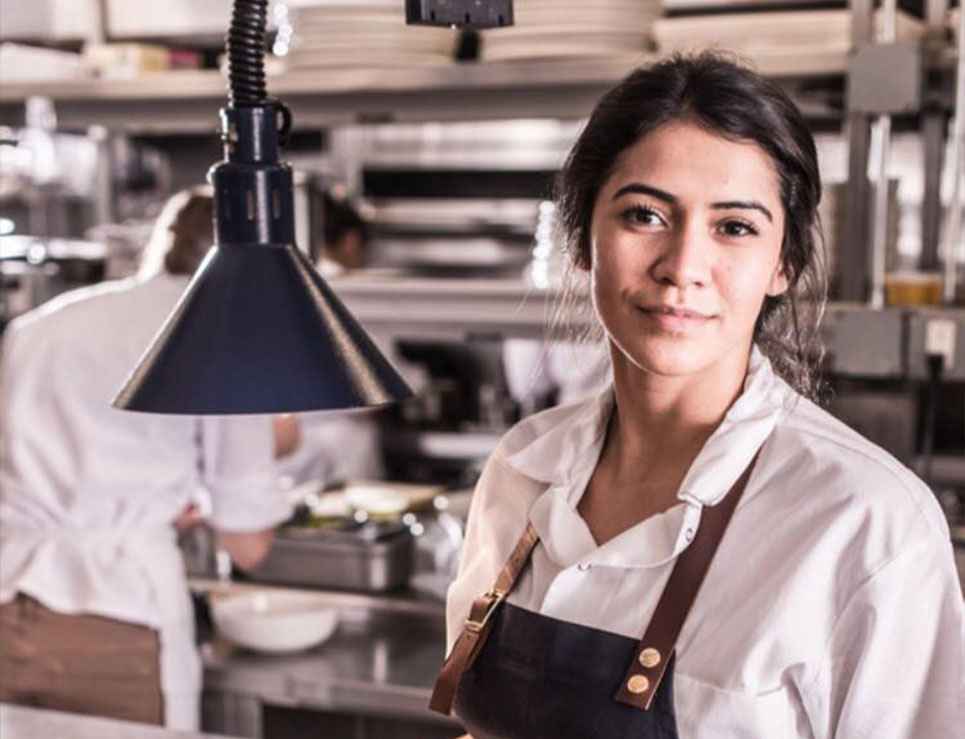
x,y
245,46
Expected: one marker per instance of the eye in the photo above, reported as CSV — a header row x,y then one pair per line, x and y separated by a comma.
x,y
736,228
641,215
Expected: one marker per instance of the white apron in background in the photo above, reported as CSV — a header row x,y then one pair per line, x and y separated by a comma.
x,y
151,554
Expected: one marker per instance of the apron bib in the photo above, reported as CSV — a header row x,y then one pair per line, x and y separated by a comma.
x,y
517,674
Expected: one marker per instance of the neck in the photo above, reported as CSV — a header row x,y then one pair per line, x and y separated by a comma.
x,y
662,421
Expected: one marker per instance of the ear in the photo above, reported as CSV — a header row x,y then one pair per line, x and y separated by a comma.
x,y
779,281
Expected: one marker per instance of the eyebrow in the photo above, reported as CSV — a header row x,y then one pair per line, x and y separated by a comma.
x,y
745,204
642,189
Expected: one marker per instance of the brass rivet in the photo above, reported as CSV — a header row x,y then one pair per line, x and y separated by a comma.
x,y
638,684
649,657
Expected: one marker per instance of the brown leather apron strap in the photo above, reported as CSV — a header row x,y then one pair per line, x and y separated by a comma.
x,y
653,652
477,626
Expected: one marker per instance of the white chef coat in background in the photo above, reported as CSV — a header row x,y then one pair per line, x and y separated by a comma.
x,y
535,368
335,446
88,493
832,607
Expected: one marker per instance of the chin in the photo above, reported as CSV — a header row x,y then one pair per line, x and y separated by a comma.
x,y
671,355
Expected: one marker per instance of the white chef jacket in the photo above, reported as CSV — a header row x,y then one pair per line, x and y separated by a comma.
x,y
832,607
88,493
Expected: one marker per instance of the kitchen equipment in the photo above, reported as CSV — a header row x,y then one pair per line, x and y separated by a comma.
x,y
371,556
34,270
269,621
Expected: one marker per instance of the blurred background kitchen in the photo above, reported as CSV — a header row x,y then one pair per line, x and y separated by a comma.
x,y
424,160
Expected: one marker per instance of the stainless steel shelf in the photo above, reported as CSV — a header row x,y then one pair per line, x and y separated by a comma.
x,y
187,101
418,308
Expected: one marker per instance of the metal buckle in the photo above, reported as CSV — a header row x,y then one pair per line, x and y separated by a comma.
x,y
496,597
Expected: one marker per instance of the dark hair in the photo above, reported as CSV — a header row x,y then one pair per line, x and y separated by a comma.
x,y
338,219
192,233
182,233
730,100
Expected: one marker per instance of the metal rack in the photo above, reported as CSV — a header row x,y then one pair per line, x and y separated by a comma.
x,y
187,101
871,93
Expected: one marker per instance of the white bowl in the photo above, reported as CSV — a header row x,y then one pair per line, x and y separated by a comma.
x,y
269,621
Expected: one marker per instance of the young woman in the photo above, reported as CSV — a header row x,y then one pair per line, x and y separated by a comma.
x,y
701,551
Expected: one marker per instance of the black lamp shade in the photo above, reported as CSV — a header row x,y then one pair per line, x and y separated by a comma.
x,y
259,331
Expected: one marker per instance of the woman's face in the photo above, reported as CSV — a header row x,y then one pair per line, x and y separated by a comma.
x,y
685,243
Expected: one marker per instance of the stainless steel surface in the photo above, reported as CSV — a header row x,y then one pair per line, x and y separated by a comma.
x,y
852,256
954,216
34,270
411,307
879,231
879,241
188,100
20,722
864,343
346,562
947,469
854,252
477,445
933,145
380,661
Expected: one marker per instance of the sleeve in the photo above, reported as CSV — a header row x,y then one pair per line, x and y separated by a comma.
x,y
238,470
894,663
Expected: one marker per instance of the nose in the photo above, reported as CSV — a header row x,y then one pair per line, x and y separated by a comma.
x,y
684,261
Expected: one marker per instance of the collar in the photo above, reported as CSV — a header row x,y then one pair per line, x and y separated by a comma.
x,y
561,446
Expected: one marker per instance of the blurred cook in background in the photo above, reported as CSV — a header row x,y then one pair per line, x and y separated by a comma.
x,y
539,374
345,236
95,615
333,446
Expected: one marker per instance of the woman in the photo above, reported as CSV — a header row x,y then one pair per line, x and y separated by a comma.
x,y
830,606
95,615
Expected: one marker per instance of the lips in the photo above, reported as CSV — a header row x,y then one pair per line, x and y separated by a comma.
x,y
674,318
671,310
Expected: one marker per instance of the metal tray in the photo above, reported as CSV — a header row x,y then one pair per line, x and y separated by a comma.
x,y
374,557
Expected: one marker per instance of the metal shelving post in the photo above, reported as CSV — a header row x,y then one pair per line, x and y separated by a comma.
x,y
855,252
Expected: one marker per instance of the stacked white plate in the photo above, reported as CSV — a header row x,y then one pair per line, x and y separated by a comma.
x,y
769,33
362,33
573,29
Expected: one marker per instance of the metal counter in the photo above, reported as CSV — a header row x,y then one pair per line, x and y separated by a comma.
x,y
19,722
379,666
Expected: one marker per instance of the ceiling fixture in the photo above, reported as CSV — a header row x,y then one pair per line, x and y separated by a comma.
x,y
257,330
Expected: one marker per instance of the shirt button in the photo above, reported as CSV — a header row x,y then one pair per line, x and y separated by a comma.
x,y
689,533
583,566
638,684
